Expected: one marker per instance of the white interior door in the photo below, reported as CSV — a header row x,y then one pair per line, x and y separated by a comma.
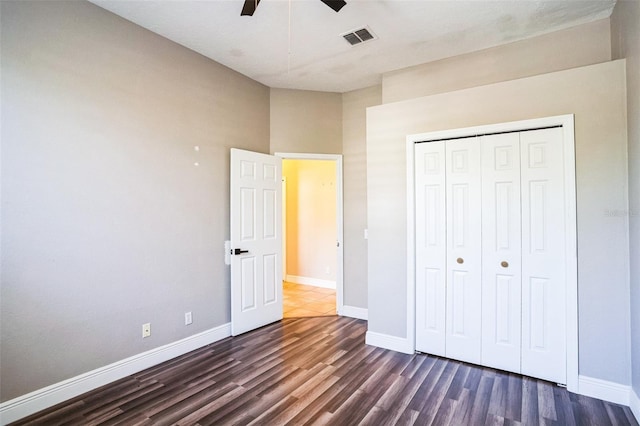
x,y
501,242
256,240
431,247
463,306
544,285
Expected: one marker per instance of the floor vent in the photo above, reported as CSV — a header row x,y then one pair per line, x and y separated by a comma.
x,y
358,36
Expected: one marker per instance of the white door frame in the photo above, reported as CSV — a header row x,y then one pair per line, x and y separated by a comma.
x,y
571,259
339,216
284,227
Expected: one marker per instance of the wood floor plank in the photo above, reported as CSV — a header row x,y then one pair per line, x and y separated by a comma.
x,y
319,371
445,412
397,404
464,405
514,400
458,382
546,401
228,410
498,399
373,417
434,400
304,399
481,401
426,387
529,401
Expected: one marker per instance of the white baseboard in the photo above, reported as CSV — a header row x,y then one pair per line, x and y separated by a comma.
x,y
398,344
316,282
355,312
49,396
605,390
634,404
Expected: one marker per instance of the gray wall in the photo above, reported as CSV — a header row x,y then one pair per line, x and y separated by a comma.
x,y
306,121
581,45
596,95
625,37
106,221
354,150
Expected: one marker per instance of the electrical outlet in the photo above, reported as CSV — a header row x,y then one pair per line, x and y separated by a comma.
x,y
188,319
146,329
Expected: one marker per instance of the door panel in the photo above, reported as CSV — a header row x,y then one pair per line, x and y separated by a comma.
x,y
269,216
248,220
271,283
463,256
460,286
543,256
430,247
248,287
501,251
256,211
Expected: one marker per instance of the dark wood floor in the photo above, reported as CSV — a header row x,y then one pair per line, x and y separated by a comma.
x,y
319,371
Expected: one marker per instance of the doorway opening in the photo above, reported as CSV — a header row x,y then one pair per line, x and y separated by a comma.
x,y
312,234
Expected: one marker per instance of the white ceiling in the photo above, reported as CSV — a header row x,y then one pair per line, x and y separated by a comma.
x,y
310,54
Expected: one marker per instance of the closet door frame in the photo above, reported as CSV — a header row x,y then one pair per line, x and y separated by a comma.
x,y
570,238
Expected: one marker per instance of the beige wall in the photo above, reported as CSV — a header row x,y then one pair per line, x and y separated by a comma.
x,y
306,122
582,45
625,37
596,95
311,218
354,151
106,221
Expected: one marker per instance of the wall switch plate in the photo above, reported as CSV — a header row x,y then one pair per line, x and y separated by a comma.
x,y
366,234
146,329
188,319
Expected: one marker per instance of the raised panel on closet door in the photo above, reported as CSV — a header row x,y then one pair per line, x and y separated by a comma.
x,y
430,247
501,245
463,304
543,256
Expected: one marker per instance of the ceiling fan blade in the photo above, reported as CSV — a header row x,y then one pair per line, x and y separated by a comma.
x,y
249,7
335,4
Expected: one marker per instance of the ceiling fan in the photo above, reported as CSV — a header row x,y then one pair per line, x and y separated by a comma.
x,y
250,6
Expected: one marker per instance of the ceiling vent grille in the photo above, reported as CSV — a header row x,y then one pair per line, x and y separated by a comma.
x,y
358,36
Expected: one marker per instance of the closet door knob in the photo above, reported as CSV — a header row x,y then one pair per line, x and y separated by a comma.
x,y
460,260
504,264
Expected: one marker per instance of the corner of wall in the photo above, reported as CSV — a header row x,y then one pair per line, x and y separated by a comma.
x,y
605,390
386,341
634,404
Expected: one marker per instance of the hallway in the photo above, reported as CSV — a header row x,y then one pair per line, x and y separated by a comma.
x,y
307,301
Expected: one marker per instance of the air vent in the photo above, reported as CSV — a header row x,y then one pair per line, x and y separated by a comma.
x,y
358,36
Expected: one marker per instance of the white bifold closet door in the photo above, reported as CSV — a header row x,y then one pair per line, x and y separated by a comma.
x,y
463,257
501,251
431,247
544,289
448,245
490,261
